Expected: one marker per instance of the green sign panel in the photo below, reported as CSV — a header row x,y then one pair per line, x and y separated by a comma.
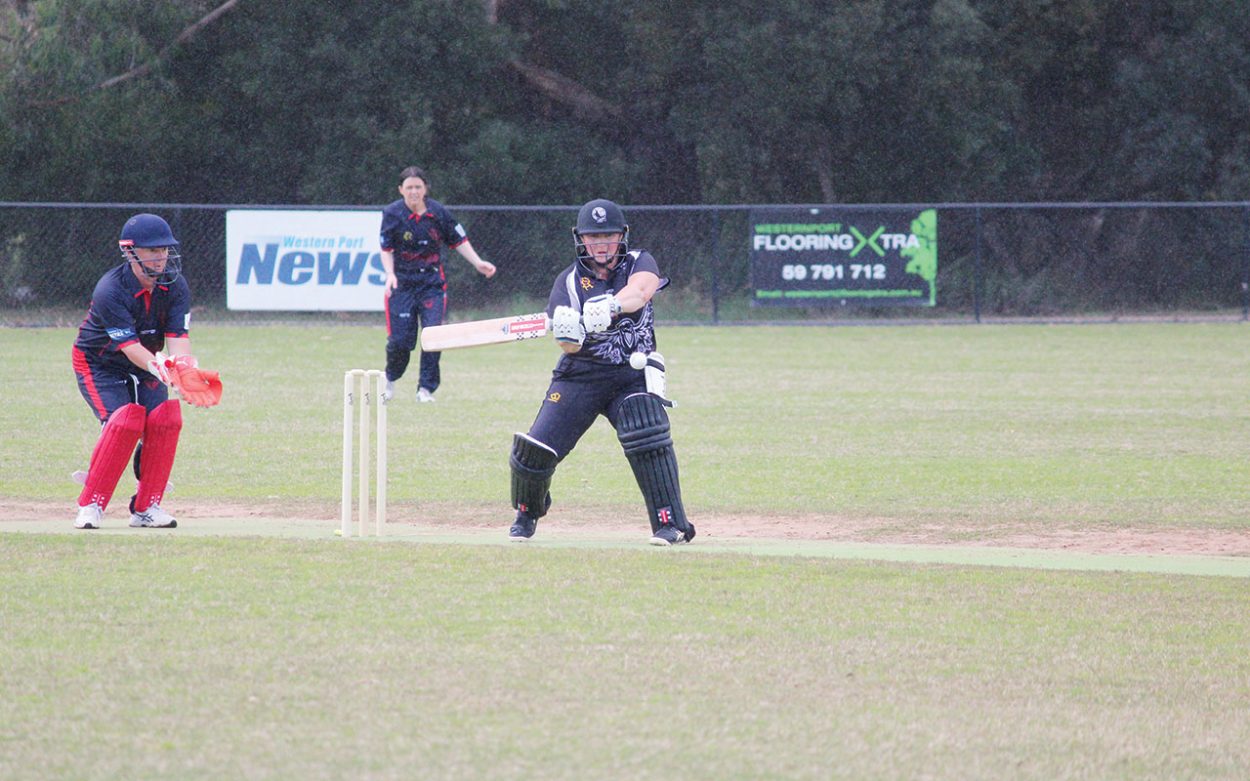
x,y
813,256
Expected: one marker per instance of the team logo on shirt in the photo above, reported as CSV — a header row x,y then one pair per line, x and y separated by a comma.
x,y
587,283
554,397
407,235
629,334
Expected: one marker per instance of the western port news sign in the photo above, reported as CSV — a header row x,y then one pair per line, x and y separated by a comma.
x,y
814,257
304,261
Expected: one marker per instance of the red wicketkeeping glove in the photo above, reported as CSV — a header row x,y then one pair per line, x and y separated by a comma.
x,y
193,384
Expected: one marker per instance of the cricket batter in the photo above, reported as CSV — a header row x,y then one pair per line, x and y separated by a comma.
x,y
601,314
138,309
414,229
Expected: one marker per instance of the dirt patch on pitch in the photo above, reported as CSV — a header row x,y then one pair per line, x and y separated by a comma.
x,y
1174,541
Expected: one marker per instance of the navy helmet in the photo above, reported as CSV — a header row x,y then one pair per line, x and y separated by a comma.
x,y
601,216
150,231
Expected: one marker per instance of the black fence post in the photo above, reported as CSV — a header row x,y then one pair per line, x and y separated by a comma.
x,y
1245,269
715,265
976,281
176,223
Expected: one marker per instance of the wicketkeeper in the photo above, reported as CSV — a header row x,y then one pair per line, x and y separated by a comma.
x,y
600,308
133,346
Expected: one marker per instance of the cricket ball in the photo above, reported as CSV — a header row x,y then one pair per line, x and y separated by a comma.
x,y
638,360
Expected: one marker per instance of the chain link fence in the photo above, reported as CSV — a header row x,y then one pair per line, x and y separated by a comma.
x,y
996,261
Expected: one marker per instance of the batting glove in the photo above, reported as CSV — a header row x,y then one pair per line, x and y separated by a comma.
x,y
599,311
566,326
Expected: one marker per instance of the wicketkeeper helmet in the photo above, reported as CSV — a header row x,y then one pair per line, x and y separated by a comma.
x,y
150,231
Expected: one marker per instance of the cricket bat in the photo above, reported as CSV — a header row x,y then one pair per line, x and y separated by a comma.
x,y
479,332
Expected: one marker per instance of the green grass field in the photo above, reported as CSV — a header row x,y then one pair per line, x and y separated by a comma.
x,y
132,654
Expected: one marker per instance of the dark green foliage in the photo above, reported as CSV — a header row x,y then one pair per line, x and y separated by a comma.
x,y
738,101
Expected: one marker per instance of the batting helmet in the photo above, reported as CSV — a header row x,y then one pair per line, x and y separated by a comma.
x,y
601,216
150,231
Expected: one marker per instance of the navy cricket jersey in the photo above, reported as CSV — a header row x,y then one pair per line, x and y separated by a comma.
x,y
632,331
417,239
122,313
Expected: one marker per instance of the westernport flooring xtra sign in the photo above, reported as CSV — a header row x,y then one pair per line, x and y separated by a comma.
x,y
304,261
810,257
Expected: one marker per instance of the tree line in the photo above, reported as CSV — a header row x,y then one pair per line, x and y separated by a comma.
x,y
558,101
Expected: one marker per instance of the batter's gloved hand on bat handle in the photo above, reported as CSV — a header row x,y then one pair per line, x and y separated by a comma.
x,y
598,312
566,326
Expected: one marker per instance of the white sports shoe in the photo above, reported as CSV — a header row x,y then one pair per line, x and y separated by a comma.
x,y
424,395
388,392
667,535
153,518
89,517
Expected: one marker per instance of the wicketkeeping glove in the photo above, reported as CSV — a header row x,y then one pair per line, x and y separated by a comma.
x,y
194,385
157,368
566,326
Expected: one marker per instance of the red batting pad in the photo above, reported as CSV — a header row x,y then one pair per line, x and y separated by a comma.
x,y
156,460
112,454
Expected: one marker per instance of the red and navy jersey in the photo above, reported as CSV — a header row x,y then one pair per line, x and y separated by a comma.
x,y
632,331
417,239
122,313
